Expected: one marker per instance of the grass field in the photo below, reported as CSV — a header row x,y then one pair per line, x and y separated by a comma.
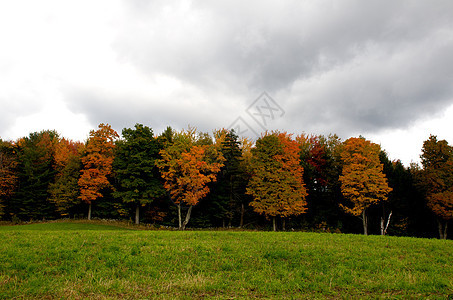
x,y
96,261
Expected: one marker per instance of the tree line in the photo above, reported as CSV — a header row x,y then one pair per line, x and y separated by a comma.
x,y
177,178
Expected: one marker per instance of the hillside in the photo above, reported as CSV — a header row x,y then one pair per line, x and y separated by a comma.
x,y
76,260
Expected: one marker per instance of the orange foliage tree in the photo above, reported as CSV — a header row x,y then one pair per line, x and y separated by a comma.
x,y
437,180
363,182
187,166
8,177
97,163
64,191
276,184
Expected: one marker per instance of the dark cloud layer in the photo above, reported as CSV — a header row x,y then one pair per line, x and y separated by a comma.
x,y
349,67
365,65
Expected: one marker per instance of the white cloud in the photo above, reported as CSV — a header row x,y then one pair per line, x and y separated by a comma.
x,y
406,144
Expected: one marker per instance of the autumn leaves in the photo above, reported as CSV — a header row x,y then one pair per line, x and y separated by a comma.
x,y
436,179
188,164
140,168
276,184
305,181
363,182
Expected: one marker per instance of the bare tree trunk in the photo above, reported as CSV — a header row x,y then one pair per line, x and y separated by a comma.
x,y
274,224
187,218
230,204
137,214
442,229
89,211
241,224
283,224
388,223
365,222
384,228
179,216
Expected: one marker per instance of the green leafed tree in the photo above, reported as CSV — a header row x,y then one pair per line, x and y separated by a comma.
x,y
135,167
35,171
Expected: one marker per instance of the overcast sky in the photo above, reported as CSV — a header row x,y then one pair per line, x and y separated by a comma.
x,y
380,69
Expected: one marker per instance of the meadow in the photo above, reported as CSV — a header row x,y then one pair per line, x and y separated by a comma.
x,y
105,261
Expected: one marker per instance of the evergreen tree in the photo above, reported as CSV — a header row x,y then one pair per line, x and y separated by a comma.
x,y
227,192
322,167
135,168
35,172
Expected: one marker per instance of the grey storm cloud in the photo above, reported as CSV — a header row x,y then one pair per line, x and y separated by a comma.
x,y
340,67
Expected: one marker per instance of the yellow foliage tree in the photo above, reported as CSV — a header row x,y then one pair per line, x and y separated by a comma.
x,y
363,182
276,184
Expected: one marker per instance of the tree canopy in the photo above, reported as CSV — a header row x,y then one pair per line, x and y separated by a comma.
x,y
363,182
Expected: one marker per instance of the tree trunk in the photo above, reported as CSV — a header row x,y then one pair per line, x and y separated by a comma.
x,y
274,224
179,216
442,229
137,214
445,230
283,224
89,211
384,228
388,222
241,224
187,218
365,222
230,204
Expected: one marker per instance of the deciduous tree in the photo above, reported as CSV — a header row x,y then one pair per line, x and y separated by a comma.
x,y
64,191
97,163
437,179
277,184
8,177
187,168
363,182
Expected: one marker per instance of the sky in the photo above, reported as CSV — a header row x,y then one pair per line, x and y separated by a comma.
x,y
380,69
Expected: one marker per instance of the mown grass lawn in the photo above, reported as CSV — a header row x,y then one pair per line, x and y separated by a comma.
x,y
79,261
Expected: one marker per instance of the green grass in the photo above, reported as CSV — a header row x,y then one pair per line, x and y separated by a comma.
x,y
83,260
63,226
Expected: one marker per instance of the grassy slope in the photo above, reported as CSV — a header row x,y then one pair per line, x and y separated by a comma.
x,y
64,260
